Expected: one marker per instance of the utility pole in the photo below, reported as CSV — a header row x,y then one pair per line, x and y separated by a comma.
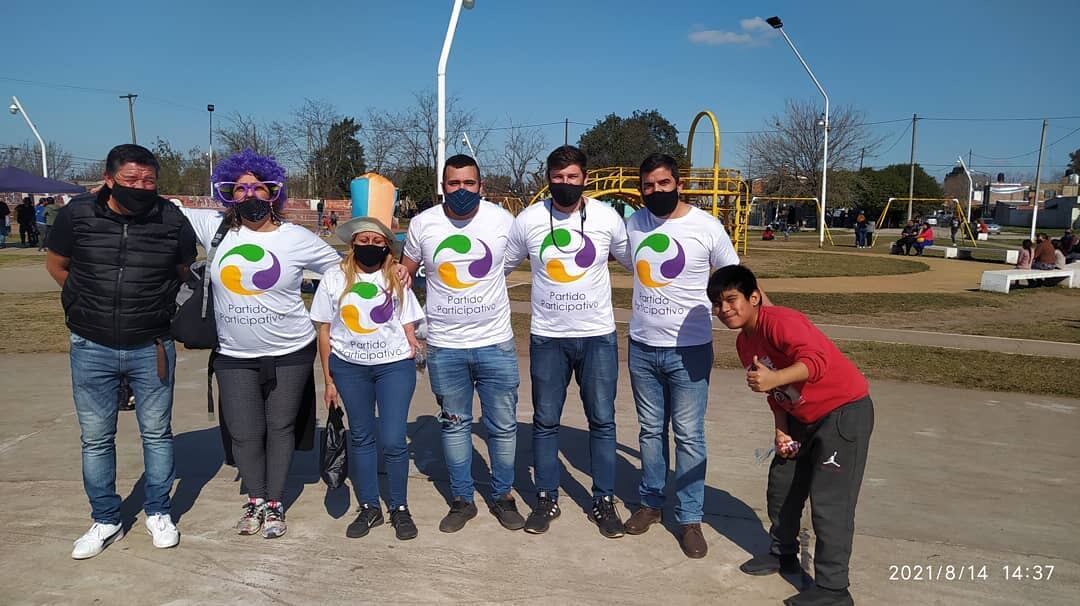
x,y
1038,184
862,153
131,113
911,181
566,132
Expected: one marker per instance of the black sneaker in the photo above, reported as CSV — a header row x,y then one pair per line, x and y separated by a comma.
x,y
368,518
769,563
606,518
401,520
461,511
820,596
546,510
505,511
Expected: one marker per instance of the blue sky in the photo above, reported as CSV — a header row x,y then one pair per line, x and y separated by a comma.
x,y
536,62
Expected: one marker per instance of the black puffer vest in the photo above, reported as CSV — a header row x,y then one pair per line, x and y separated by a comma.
x,y
121,289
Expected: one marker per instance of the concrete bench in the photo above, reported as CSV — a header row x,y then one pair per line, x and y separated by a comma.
x,y
1001,280
1007,255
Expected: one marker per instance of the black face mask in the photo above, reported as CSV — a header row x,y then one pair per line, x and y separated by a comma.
x,y
253,209
662,203
370,255
135,201
565,194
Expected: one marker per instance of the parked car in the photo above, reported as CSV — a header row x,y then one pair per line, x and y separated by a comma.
x,y
991,227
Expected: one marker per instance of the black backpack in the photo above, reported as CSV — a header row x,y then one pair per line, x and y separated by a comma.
x,y
194,323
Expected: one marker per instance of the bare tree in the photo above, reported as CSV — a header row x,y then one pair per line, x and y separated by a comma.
x,y
27,156
410,138
245,132
522,148
304,134
790,152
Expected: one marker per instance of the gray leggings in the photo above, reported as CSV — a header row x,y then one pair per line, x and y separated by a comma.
x,y
263,430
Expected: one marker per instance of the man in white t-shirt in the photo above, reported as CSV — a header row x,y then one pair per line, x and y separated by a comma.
x,y
470,345
674,248
567,240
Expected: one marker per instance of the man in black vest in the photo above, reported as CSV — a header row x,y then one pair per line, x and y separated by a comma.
x,y
119,256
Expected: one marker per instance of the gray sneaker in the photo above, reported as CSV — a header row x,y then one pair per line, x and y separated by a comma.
x,y
274,520
252,519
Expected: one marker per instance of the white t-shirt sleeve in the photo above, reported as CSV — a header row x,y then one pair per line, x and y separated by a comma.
x,y
412,248
323,303
620,245
517,248
322,257
411,311
723,253
204,222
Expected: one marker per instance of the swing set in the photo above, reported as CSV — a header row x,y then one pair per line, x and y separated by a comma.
x,y
965,226
817,209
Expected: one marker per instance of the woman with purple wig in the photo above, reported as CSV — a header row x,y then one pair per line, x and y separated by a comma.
x,y
264,359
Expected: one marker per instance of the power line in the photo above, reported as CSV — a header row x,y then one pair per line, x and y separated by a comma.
x,y
898,139
1001,119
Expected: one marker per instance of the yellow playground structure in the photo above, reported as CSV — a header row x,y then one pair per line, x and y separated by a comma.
x,y
721,191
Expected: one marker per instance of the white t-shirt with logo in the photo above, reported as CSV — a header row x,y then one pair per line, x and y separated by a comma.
x,y
367,325
256,279
571,286
672,261
467,305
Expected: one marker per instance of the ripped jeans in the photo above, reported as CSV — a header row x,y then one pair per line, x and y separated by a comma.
x,y
492,371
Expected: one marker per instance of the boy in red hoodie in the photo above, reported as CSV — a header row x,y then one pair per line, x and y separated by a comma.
x,y
824,418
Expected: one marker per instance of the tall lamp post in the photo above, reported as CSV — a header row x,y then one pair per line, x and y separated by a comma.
x,y
777,24
16,108
210,111
971,185
440,84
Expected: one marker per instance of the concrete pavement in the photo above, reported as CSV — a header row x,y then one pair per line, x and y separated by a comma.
x,y
955,477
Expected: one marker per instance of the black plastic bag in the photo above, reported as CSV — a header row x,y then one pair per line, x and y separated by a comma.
x,y
333,450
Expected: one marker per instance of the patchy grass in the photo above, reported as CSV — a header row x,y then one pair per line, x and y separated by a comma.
x,y
1046,314
20,260
983,370
35,323
793,264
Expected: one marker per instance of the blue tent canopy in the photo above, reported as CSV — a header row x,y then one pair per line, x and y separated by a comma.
x,y
16,180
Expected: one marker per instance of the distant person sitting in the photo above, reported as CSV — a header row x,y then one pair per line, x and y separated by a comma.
x,y
983,227
1023,261
768,234
924,239
907,238
1044,257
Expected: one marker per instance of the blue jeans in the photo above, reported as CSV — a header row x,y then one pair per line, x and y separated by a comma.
x,y
95,379
594,361
493,372
672,383
360,387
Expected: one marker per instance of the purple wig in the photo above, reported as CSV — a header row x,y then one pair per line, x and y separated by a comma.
x,y
264,168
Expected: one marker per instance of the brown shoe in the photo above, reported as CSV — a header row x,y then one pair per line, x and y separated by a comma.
x,y
693,542
642,519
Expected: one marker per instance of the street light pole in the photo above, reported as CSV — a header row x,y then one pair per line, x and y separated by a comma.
x,y
210,111
777,24
131,113
971,186
440,84
16,108
1038,184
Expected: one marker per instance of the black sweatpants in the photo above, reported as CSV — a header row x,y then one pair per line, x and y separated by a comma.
x,y
262,426
828,469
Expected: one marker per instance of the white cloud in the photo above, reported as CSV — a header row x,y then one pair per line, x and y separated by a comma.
x,y
715,37
757,24
754,32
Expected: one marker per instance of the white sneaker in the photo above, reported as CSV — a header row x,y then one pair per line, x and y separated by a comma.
x,y
96,539
161,527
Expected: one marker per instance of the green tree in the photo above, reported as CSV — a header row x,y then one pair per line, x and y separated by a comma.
x,y
873,188
1074,161
417,184
618,141
171,163
340,160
